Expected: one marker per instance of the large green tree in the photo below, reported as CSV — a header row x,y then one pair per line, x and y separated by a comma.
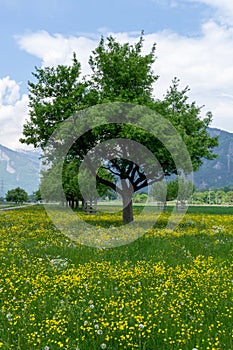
x,y
120,73
17,195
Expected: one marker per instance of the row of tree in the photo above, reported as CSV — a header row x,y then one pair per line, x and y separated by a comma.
x,y
183,193
212,197
120,73
159,192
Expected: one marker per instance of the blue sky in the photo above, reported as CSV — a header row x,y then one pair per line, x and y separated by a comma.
x,y
89,17
194,42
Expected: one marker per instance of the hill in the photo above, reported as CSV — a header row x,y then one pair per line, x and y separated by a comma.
x,y
217,173
18,169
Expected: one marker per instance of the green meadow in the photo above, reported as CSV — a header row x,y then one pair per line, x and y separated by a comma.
x,y
167,290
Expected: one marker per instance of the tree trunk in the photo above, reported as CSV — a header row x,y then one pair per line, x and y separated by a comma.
x,y
127,210
83,204
127,198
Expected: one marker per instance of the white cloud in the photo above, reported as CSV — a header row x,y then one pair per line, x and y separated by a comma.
x,y
13,113
57,49
9,91
224,9
204,62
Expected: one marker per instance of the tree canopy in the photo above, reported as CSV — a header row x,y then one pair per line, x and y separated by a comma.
x,y
120,73
17,195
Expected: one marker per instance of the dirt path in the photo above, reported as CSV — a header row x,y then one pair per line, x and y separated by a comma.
x,y
17,207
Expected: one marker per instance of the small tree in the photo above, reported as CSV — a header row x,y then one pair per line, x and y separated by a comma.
x,y
220,197
37,195
180,189
17,195
229,197
158,191
140,198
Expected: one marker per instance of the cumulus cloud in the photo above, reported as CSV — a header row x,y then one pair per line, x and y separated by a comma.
x,y
54,49
13,113
9,91
224,9
203,62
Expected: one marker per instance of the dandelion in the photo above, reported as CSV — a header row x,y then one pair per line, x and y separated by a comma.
x,y
103,346
141,326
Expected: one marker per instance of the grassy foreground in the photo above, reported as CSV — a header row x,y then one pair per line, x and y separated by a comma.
x,y
166,290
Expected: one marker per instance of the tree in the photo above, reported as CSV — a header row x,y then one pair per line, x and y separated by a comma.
x,y
36,196
187,119
120,73
70,182
229,197
140,198
49,186
179,189
159,191
56,95
220,197
17,195
74,178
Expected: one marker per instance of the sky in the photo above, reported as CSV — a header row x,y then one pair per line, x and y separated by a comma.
x,y
194,42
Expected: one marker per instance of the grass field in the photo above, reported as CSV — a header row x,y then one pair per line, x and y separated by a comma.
x,y
166,290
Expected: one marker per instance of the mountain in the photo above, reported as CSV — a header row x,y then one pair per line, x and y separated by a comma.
x,y
217,173
18,169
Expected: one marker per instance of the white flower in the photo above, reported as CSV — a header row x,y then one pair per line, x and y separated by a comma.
x,y
9,317
103,346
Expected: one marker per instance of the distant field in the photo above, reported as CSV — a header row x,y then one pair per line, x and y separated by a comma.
x,y
211,209
168,290
205,209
